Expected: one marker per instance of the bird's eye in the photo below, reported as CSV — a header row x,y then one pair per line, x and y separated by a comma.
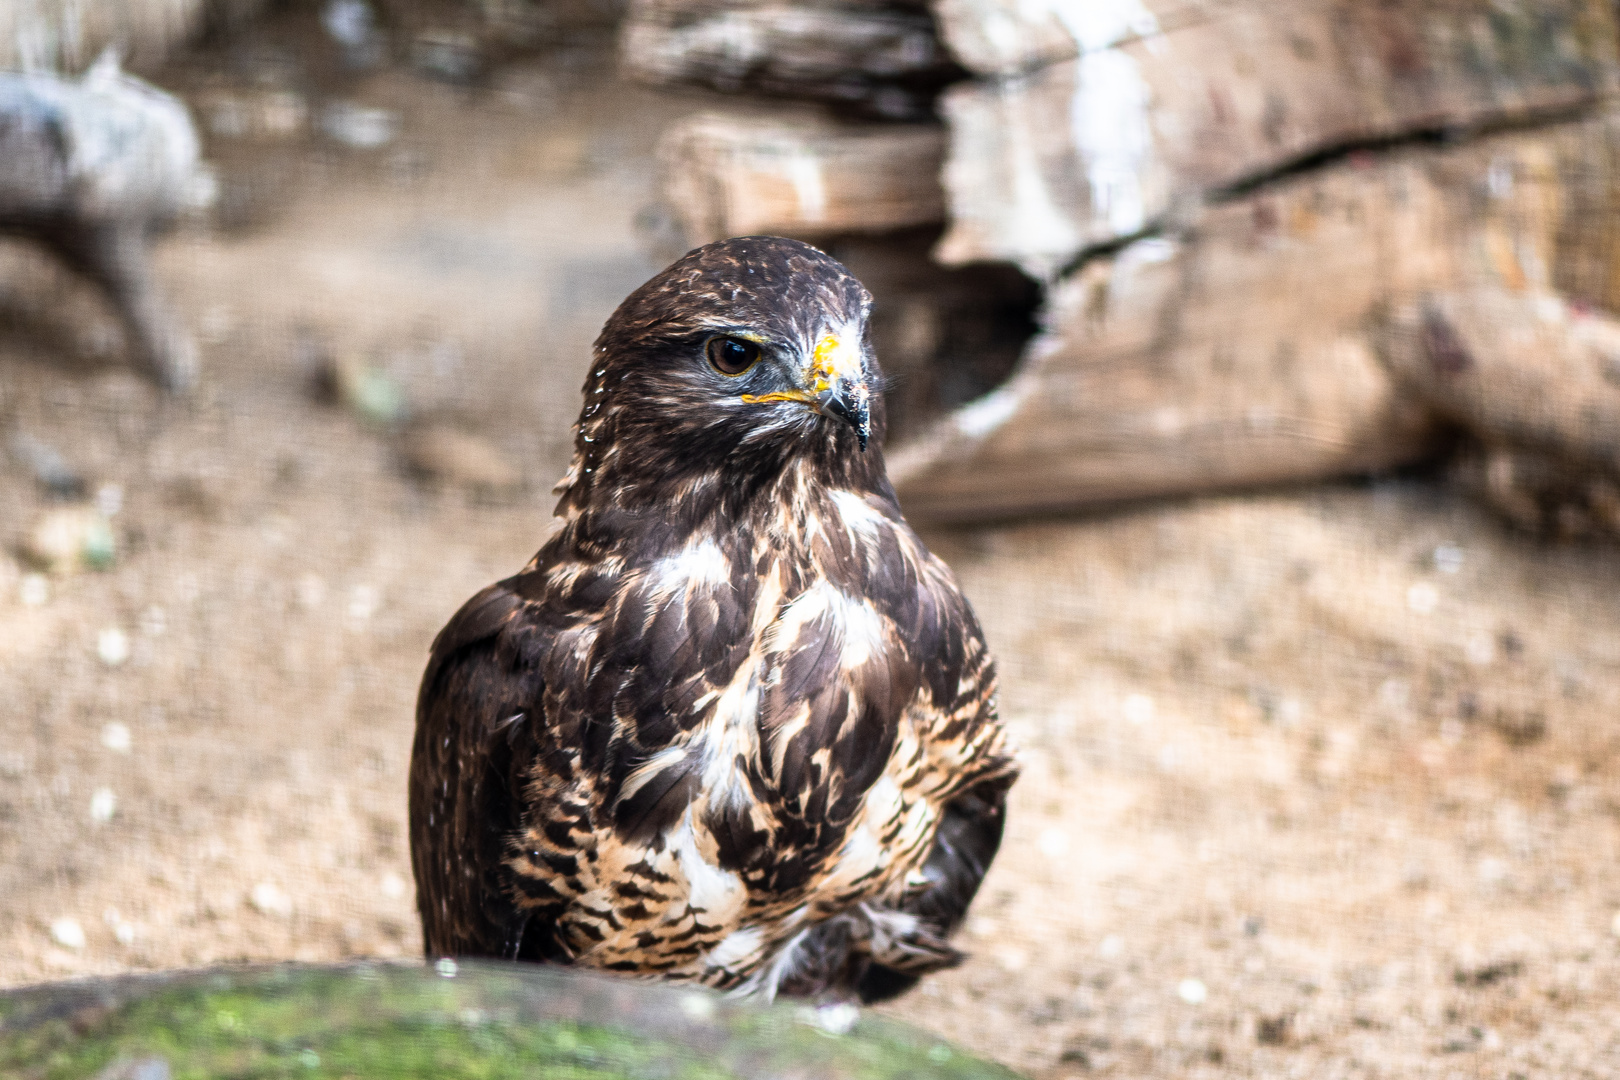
x,y
732,356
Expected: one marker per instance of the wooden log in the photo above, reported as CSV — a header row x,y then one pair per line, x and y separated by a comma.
x,y
880,59
1281,336
1090,150
1540,492
1516,368
807,177
1004,38
1537,383
1233,356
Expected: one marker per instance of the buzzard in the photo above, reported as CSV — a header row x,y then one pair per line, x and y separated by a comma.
x,y
734,724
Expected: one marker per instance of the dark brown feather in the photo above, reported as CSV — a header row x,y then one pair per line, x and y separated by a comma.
x,y
733,723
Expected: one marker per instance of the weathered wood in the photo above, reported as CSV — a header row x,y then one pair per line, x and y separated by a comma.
x,y
1014,37
881,59
735,175
1089,150
1233,356
1537,383
1541,492
1265,342
1519,368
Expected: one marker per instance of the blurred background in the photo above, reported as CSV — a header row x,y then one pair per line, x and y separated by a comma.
x,y
1254,363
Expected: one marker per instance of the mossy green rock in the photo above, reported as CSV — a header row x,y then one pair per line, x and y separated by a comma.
x,y
483,1021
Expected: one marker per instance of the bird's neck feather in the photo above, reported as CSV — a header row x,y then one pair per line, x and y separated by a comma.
x,y
607,518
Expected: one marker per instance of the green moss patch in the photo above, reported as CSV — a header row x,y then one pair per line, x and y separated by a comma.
x,y
489,1022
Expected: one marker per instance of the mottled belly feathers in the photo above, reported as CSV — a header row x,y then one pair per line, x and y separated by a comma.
x,y
733,724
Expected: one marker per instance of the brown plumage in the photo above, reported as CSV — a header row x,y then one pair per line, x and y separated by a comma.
x,y
733,723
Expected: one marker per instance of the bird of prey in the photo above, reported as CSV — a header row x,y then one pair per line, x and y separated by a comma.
x,y
733,724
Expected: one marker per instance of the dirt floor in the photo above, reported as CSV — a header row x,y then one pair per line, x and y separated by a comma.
x,y
1318,782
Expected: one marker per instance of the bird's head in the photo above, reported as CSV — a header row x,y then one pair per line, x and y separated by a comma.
x,y
740,356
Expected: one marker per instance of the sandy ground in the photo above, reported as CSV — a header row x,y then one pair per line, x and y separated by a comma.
x,y
1318,782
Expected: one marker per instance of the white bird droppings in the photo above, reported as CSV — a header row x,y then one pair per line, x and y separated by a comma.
x,y
269,899
1422,598
1111,947
67,933
697,1007
116,737
1480,648
359,126
112,646
1139,708
1192,991
364,600
123,931
103,805
110,499
34,590
1012,959
393,886
980,417
1053,842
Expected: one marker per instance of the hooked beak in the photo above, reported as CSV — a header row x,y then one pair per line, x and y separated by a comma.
x,y
835,385
837,378
851,402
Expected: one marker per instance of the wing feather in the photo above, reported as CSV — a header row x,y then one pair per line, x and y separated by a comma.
x,y
477,717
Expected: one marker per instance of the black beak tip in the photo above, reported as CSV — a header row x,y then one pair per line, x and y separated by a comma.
x,y
854,408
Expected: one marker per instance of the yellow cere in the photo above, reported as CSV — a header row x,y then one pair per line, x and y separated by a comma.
x,y
831,360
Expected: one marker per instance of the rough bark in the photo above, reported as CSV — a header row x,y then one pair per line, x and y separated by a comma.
x,y
1536,382
1234,355
1091,149
880,59
1282,336
1517,368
